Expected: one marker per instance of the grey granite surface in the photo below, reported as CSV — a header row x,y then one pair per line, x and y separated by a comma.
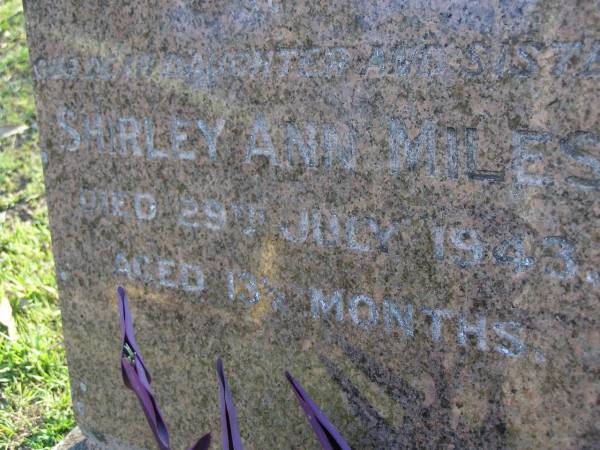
x,y
397,201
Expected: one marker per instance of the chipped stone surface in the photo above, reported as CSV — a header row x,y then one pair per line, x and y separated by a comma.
x,y
75,440
396,202
79,439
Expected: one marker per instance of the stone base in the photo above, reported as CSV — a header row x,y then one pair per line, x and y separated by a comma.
x,y
77,440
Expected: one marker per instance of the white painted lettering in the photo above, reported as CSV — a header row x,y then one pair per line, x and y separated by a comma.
x,y
320,303
260,131
211,136
61,116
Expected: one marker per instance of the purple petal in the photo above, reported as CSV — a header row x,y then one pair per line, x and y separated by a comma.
x,y
153,415
137,378
229,425
202,444
329,437
128,334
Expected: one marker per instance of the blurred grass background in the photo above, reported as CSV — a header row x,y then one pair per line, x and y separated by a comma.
x,y
35,410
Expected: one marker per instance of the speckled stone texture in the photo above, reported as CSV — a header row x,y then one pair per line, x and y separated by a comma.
x,y
75,440
81,440
397,201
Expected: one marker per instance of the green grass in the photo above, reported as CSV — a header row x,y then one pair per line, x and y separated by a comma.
x,y
35,409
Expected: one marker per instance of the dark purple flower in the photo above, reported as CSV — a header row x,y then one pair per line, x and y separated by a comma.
x,y
137,378
229,424
328,436
129,345
202,444
135,382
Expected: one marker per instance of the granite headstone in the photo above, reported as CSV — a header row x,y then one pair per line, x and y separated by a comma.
x,y
397,201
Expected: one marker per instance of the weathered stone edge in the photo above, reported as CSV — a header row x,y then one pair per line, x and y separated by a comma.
x,y
77,439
